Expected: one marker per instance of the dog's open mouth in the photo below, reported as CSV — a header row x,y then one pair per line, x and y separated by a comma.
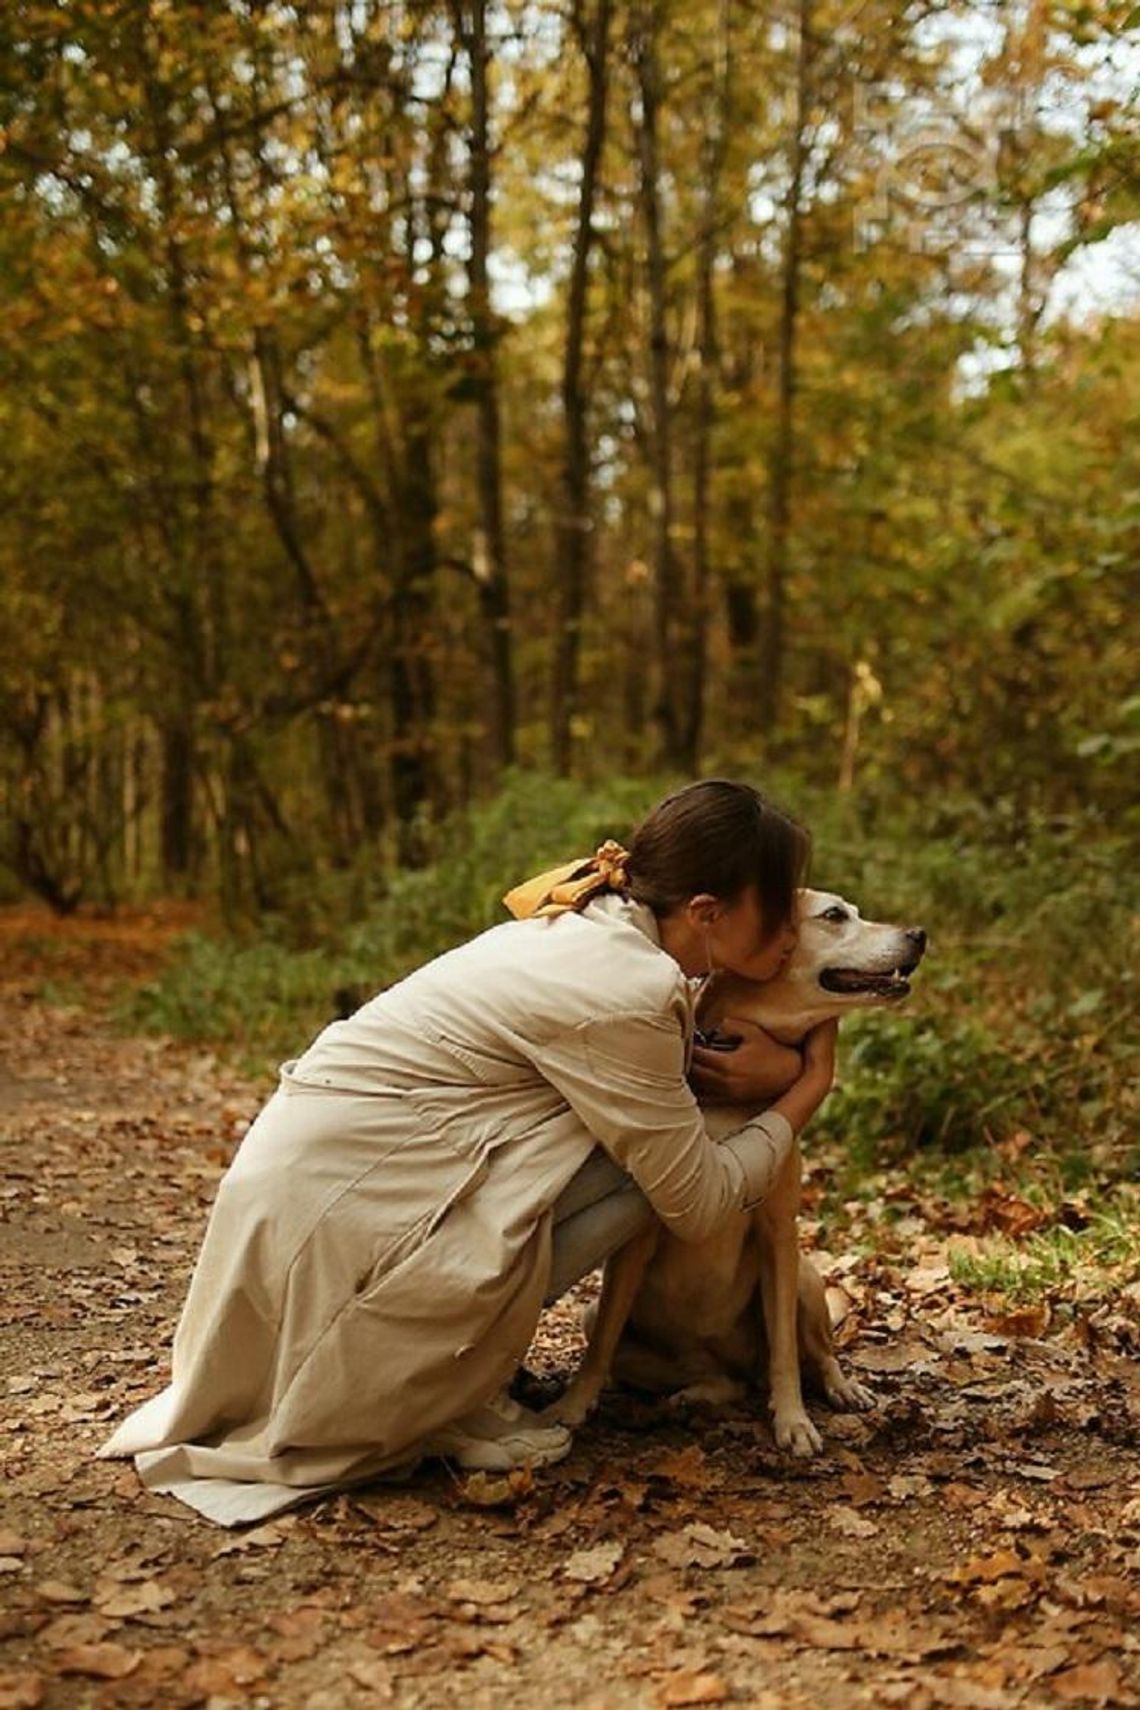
x,y
856,980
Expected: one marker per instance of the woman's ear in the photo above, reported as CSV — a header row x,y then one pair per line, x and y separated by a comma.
x,y
704,911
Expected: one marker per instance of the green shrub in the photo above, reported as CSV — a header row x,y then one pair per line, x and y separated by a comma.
x,y
1020,1019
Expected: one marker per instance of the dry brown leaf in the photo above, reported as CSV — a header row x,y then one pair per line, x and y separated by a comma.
x,y
1032,1662
226,1670
21,1690
375,1676
11,1543
58,1591
482,1591
261,1538
985,1569
394,1512
104,1662
301,1631
67,1631
595,1565
687,1688
159,1664
961,1693
1022,1321
1099,1681
698,1545
825,1634
688,1468
1006,1594
146,1598
861,1488
851,1525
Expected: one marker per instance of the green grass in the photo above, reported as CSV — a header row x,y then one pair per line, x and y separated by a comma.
x,y
1059,1263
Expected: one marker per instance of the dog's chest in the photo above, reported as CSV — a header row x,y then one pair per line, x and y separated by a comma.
x,y
700,1289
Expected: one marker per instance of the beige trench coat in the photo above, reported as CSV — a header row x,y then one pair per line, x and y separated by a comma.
x,y
377,1254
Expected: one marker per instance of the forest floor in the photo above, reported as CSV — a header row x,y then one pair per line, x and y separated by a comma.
x,y
974,1542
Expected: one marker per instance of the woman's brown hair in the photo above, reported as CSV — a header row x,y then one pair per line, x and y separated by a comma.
x,y
718,837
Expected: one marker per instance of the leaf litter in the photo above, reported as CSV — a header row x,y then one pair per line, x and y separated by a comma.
x,y
973,1541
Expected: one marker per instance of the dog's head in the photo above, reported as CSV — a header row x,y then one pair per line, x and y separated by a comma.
x,y
840,962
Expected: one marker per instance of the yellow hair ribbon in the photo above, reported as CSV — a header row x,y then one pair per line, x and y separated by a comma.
x,y
570,887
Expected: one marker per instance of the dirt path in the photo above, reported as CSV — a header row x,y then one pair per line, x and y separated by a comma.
x,y
975,1542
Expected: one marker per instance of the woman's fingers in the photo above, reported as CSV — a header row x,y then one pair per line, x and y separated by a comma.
x,y
757,1069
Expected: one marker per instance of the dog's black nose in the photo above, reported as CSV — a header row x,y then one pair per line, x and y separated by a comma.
x,y
917,937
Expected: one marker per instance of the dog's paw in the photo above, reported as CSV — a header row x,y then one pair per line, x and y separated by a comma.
x,y
570,1409
796,1433
848,1396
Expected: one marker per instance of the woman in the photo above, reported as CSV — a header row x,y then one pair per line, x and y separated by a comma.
x,y
433,1168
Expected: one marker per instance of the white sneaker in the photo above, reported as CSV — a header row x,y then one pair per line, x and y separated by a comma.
x,y
501,1435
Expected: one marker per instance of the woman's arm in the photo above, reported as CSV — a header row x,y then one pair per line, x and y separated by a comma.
x,y
624,1076
751,1068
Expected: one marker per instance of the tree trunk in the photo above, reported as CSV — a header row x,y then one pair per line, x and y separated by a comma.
x,y
668,618
712,165
490,558
573,529
781,460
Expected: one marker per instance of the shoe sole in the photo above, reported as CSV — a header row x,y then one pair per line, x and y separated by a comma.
x,y
498,1456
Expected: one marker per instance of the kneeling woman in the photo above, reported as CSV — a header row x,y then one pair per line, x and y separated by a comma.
x,y
463,1148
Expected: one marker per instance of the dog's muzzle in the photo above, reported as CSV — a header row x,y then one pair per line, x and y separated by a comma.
x,y
885,983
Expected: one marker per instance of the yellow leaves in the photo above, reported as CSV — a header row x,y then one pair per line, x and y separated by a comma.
x,y
493,1490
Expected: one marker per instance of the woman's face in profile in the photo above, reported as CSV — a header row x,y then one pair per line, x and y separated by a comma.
x,y
742,942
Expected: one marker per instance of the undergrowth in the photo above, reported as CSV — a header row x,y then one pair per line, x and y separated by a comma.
x,y
1022,1023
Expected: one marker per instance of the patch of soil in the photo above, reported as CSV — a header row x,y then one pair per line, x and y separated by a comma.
x,y
973,1542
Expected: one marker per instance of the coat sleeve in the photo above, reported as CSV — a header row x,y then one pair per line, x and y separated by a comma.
x,y
624,1076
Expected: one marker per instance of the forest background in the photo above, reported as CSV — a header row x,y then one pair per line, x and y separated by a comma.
x,y
427,430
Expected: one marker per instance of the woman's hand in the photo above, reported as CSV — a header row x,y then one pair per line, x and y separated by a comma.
x,y
753,1069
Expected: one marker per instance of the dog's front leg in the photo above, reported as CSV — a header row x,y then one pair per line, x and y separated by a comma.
x,y
620,1282
776,1229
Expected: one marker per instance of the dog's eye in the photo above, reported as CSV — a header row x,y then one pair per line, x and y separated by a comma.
x,y
835,913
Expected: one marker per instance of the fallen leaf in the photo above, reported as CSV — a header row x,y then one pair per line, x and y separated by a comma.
x,y
394,1512
861,1488
375,1676
1099,1681
226,1671
21,1691
105,1662
482,1591
301,1630
146,1598
594,1566
904,1486
57,1591
70,1630
986,1569
686,1467
11,1543
698,1545
487,1490
1021,1321
852,1525
268,1537
684,1688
